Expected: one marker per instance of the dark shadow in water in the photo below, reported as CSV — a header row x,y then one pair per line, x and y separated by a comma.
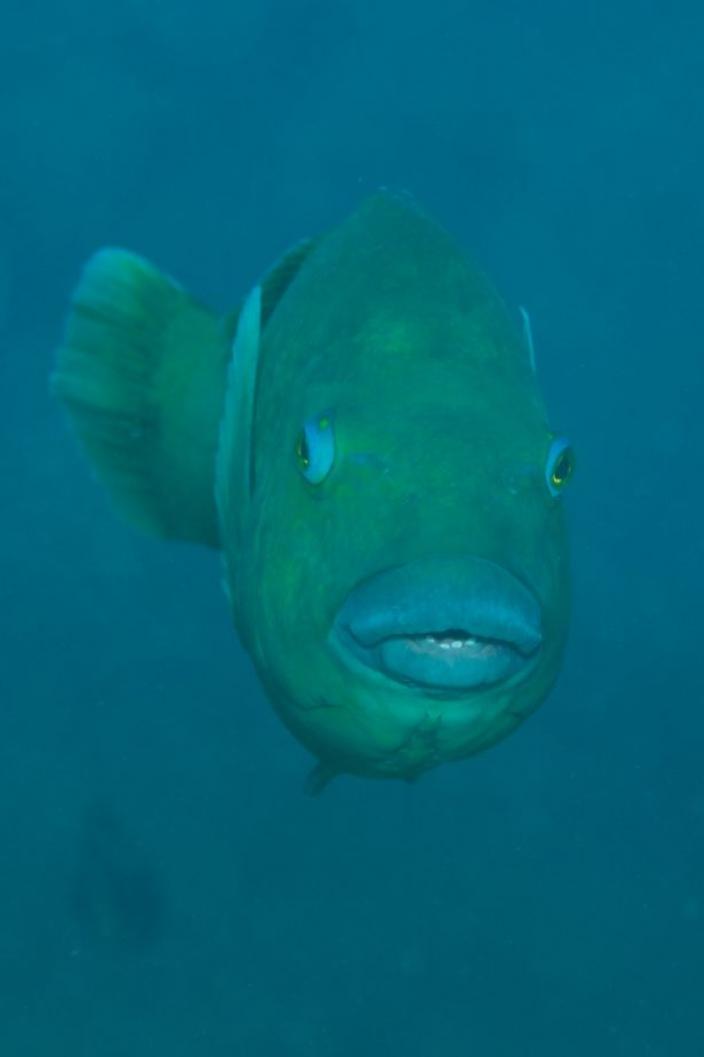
x,y
117,897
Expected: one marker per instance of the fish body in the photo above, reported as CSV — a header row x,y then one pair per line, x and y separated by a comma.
x,y
365,441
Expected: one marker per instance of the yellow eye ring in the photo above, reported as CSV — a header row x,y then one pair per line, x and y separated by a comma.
x,y
315,449
560,465
302,452
562,471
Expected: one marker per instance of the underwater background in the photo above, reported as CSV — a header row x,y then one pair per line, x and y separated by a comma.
x,y
166,887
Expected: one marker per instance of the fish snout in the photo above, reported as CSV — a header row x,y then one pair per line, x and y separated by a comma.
x,y
453,624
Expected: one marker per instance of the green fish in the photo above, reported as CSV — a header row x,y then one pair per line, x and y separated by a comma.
x,y
364,441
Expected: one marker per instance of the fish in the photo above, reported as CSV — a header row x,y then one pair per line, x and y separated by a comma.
x,y
364,440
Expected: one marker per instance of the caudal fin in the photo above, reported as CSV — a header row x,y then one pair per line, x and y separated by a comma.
x,y
142,372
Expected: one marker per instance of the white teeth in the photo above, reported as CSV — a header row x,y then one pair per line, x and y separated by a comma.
x,y
450,644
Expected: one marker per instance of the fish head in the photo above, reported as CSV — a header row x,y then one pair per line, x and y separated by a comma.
x,y
401,575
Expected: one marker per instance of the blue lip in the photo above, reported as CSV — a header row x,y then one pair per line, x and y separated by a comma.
x,y
444,624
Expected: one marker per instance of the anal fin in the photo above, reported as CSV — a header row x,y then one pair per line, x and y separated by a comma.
x,y
319,778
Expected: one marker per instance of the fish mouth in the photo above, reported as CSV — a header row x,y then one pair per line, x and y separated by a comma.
x,y
454,625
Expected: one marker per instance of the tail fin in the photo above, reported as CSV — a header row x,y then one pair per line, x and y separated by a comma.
x,y
142,371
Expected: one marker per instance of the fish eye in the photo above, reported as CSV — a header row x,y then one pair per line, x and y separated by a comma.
x,y
560,465
315,448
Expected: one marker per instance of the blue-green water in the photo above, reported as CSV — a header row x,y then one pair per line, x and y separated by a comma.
x,y
166,888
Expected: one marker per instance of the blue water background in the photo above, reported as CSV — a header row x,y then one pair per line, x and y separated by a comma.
x,y
543,900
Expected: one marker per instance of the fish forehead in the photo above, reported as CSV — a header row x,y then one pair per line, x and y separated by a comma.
x,y
388,260
388,305
392,247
